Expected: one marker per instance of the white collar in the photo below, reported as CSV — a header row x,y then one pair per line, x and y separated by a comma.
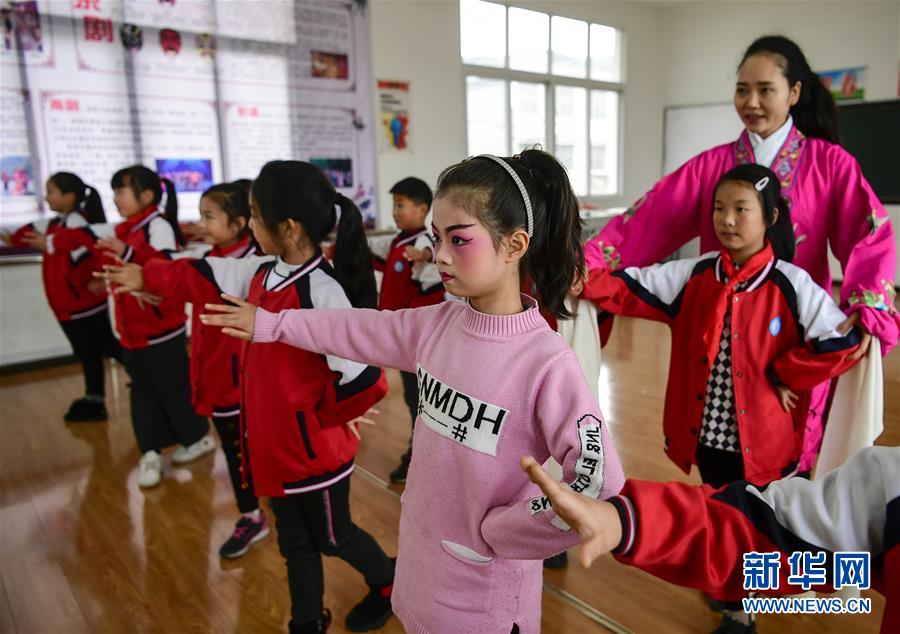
x,y
765,150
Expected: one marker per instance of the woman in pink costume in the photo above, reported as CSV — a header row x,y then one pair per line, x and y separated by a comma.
x,y
791,127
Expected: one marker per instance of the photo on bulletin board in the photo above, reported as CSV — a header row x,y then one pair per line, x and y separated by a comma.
x,y
393,99
339,171
17,176
329,65
845,84
189,175
23,22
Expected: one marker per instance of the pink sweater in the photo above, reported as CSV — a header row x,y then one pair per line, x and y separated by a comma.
x,y
473,529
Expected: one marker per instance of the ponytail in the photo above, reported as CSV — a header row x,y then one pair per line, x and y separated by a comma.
x,y
781,233
815,113
87,199
485,188
139,179
352,259
556,259
170,211
92,207
299,191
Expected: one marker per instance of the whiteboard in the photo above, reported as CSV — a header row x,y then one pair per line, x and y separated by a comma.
x,y
690,130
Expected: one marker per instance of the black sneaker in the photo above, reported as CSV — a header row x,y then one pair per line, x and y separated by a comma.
x,y
733,626
84,410
557,561
246,533
312,627
398,475
372,612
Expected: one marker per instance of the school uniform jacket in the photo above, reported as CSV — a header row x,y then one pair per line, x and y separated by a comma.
x,y
294,403
696,536
66,274
147,235
783,331
215,358
401,287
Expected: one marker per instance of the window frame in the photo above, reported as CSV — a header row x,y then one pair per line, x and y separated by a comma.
x,y
550,82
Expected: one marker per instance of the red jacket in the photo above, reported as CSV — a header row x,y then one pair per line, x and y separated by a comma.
x,y
696,536
400,287
784,329
215,358
293,403
66,273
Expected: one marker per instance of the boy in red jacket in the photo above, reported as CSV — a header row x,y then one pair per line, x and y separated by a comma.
x,y
408,283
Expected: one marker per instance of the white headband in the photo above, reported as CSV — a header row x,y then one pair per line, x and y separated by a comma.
x,y
528,212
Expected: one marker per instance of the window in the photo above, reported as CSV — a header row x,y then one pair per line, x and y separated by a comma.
x,y
535,78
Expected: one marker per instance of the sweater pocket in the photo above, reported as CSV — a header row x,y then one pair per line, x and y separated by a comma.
x,y
466,579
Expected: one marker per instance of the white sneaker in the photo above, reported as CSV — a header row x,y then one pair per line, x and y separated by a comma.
x,y
150,469
194,451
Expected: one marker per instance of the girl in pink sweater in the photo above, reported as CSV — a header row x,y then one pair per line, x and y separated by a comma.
x,y
495,383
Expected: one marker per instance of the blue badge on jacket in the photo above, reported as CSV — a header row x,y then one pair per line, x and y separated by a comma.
x,y
775,326
398,266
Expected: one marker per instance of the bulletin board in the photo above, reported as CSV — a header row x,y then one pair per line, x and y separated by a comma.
x,y
201,91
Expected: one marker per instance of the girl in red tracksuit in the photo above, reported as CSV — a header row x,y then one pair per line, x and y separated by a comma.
x,y
752,335
215,386
295,404
151,332
77,300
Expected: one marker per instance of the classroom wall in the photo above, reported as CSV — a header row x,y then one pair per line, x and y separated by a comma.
x,y
702,43
418,41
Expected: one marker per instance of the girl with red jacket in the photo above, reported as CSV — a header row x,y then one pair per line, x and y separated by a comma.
x,y
298,409
215,386
77,300
151,332
752,335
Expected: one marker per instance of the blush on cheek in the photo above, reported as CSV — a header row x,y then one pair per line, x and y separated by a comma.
x,y
467,256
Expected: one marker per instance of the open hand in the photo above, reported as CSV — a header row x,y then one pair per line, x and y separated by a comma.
x,y
596,522
787,397
127,277
236,319
35,239
353,425
112,245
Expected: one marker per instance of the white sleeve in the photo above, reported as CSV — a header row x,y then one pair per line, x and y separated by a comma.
x,y
162,236
664,281
425,242
816,310
380,246
845,509
233,275
325,292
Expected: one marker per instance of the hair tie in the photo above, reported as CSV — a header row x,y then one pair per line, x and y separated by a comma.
x,y
761,183
87,193
337,210
529,226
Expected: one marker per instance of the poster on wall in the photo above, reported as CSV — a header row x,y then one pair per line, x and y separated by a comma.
x,y
393,100
845,84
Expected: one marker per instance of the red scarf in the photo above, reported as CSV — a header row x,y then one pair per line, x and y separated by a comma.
x,y
712,333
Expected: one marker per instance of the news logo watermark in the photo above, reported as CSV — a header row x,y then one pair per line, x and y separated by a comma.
x,y
846,569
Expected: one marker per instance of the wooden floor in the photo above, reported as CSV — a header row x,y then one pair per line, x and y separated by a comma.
x,y
83,549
